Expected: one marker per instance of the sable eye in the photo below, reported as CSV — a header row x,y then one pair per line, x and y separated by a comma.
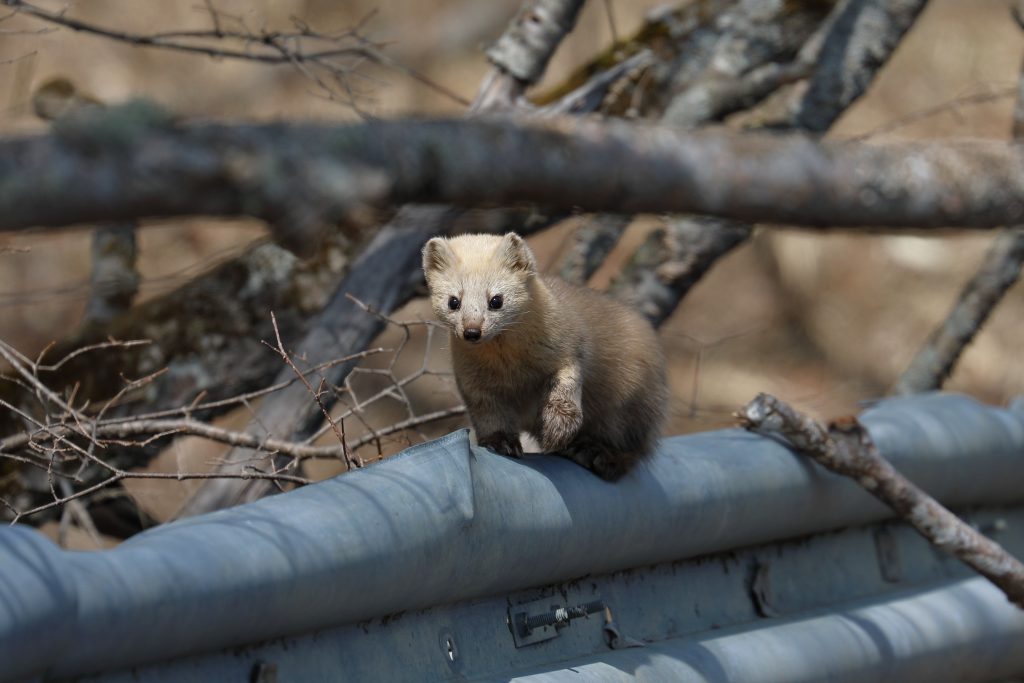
x,y
454,303
495,302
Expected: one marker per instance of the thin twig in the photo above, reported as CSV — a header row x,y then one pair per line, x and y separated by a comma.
x,y
267,47
121,475
951,105
351,461
241,399
109,344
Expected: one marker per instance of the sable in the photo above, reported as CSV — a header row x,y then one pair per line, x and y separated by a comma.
x,y
583,374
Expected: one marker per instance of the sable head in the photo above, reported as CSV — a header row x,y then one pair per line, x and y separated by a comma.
x,y
479,284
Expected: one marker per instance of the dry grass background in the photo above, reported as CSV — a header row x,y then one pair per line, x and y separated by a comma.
x,y
825,321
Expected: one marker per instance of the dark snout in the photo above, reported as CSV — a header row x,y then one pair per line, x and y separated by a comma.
x,y
471,334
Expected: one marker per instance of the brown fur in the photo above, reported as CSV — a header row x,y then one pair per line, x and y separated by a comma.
x,y
583,374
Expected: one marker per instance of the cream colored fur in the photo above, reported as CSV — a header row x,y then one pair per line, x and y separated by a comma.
x,y
583,374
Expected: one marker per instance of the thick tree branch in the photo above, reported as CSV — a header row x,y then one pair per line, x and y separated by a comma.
x,y
722,64
591,244
846,448
315,175
523,51
113,281
730,60
855,43
525,48
841,58
754,54
674,259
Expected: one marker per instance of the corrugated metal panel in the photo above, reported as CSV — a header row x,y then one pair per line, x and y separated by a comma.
x,y
445,522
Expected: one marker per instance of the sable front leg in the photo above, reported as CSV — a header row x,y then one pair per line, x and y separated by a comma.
x,y
496,428
503,443
561,414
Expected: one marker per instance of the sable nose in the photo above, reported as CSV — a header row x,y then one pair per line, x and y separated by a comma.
x,y
471,334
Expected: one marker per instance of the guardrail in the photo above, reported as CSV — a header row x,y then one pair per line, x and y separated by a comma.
x,y
447,529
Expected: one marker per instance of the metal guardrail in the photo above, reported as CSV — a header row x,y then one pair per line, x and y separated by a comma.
x,y
445,522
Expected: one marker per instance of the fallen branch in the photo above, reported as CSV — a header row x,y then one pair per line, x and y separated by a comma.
x,y
302,178
846,448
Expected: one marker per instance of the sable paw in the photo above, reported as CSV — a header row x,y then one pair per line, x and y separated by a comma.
x,y
560,421
610,466
599,459
503,444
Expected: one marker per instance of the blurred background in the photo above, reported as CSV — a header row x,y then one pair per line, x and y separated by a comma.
x,y
825,321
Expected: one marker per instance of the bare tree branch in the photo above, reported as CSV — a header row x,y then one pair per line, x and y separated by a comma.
x,y
70,442
317,394
113,280
846,448
953,105
672,260
73,437
664,269
521,54
121,475
309,52
999,270
73,442
857,41
591,243
315,175
527,45
730,60
935,361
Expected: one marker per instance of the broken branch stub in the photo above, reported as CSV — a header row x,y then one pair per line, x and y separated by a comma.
x,y
846,448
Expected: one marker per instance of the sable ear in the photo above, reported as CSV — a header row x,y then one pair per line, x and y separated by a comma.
x,y
515,254
437,256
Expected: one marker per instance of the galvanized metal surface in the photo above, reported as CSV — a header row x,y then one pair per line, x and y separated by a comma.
x,y
443,523
965,631
678,610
